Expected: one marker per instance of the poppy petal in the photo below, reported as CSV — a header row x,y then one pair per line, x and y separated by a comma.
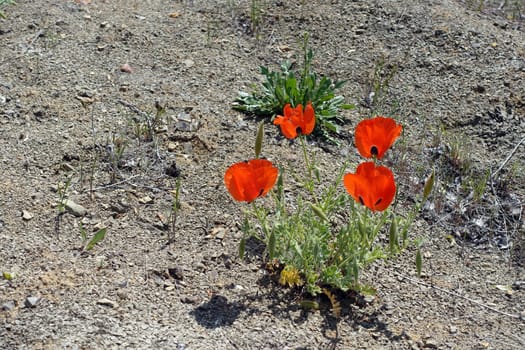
x,y
246,181
296,120
288,128
308,119
372,186
373,137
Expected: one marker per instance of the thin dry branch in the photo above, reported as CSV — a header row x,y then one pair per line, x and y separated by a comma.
x,y
508,158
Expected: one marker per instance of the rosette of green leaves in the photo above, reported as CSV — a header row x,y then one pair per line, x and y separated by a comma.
x,y
296,87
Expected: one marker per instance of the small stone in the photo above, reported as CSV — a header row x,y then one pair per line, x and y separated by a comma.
x,y
126,68
518,285
176,272
188,63
107,302
8,306
31,301
218,232
26,215
146,200
172,146
453,329
189,300
75,209
430,344
123,295
369,298
173,170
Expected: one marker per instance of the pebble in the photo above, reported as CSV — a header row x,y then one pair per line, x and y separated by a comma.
x,y
107,302
146,200
188,63
172,146
126,68
31,301
26,215
189,300
75,209
176,272
430,344
8,306
123,295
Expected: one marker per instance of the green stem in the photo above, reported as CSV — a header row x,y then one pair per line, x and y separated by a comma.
x,y
261,217
310,181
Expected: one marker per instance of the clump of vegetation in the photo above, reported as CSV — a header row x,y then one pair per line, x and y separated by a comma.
x,y
297,87
323,236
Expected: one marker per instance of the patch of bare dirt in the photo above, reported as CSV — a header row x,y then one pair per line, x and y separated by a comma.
x,y
82,85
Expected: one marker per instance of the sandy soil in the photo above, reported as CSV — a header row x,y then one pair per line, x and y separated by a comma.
x,y
68,105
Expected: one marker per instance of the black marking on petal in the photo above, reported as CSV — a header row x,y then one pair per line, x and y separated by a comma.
x,y
361,200
374,151
378,201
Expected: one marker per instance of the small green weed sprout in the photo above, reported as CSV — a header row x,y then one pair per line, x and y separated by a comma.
x,y
297,87
174,213
97,237
2,4
115,150
62,189
379,83
256,17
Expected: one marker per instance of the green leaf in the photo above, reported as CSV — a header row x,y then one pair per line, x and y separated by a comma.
x,y
366,289
242,247
393,238
419,262
429,184
319,212
7,276
96,238
258,140
309,304
271,245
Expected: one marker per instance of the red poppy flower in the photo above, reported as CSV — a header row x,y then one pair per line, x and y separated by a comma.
x,y
374,136
296,120
371,185
249,180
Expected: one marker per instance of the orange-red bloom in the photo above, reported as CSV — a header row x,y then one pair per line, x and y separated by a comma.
x,y
373,137
249,180
371,185
296,120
